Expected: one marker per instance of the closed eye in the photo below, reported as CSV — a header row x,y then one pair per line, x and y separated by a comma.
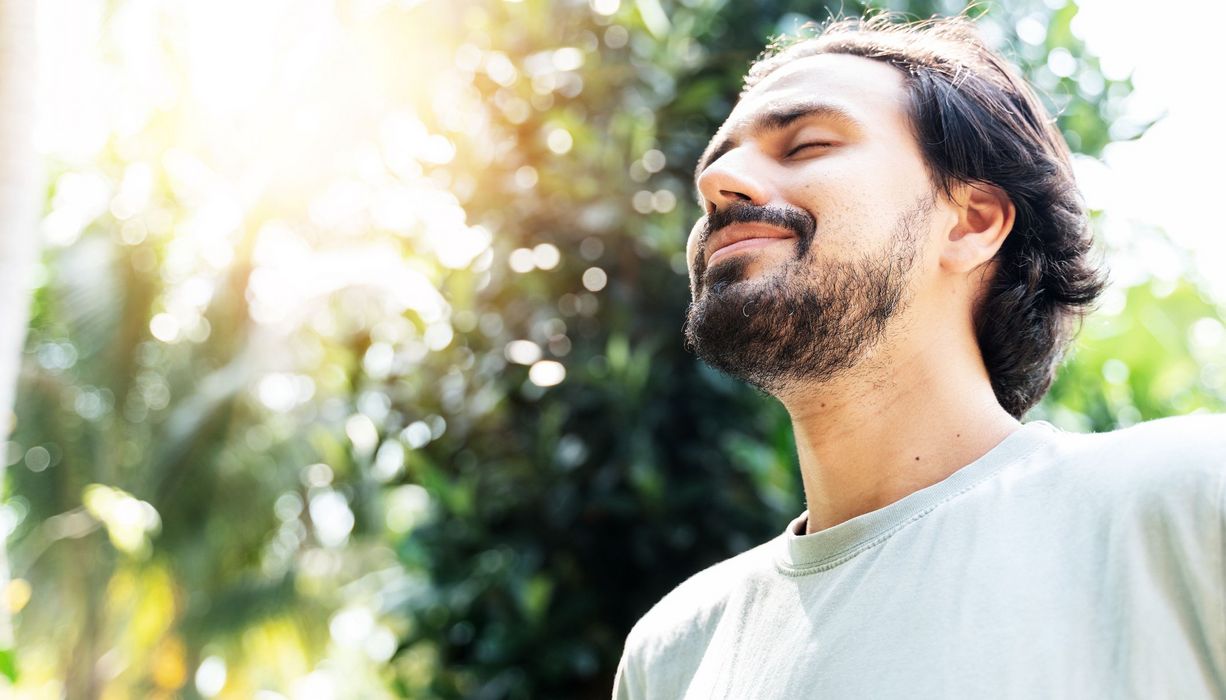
x,y
811,144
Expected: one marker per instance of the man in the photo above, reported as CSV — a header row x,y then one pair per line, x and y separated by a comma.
x,y
894,247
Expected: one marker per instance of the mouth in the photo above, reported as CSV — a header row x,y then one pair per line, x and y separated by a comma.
x,y
741,237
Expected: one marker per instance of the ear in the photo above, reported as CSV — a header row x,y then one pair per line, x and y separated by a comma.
x,y
985,217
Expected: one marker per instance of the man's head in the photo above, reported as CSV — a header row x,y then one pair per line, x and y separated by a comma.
x,y
878,178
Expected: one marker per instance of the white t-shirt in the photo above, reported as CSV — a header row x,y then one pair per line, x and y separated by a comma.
x,y
1058,565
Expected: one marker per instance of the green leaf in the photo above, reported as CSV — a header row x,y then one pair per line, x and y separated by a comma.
x,y
8,664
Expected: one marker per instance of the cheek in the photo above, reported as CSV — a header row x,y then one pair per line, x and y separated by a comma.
x,y
691,244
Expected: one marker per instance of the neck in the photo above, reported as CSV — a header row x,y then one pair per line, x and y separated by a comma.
x,y
864,442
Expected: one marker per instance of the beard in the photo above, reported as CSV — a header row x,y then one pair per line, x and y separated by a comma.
x,y
803,322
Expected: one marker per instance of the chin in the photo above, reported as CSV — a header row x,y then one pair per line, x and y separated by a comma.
x,y
740,271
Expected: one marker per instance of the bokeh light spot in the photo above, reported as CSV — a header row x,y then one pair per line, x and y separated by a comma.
x,y
616,37
526,177
547,373
16,594
211,676
417,434
546,256
653,161
559,140
522,352
663,201
362,433
1115,371
164,327
38,458
605,7
595,279
522,260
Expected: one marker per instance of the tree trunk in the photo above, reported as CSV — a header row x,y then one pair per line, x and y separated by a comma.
x,y
18,229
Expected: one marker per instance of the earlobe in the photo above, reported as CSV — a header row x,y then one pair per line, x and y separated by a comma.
x,y
985,218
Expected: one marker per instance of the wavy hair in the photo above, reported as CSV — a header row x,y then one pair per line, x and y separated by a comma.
x,y
977,121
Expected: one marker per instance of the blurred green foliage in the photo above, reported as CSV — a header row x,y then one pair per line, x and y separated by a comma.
x,y
501,531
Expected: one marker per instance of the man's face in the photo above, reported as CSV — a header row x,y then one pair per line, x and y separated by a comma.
x,y
818,205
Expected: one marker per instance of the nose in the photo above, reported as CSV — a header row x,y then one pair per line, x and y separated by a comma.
x,y
736,176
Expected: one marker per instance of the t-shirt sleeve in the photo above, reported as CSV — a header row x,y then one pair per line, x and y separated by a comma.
x,y
627,684
1221,502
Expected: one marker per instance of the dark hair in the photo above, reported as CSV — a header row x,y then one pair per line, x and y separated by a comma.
x,y
977,121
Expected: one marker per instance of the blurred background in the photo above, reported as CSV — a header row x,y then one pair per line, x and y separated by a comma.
x,y
354,366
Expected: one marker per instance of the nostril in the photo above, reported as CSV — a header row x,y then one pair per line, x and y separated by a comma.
x,y
730,194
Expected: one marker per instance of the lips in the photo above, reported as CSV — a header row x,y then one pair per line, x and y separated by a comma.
x,y
743,236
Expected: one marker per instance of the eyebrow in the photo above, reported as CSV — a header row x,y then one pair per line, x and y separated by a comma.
x,y
780,118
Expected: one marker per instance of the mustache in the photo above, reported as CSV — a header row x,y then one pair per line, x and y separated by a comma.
x,y
797,221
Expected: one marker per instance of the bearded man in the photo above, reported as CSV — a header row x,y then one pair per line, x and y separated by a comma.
x,y
895,248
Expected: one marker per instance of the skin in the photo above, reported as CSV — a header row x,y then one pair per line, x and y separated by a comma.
x,y
918,405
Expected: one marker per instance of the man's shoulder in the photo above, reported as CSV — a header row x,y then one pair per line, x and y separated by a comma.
x,y
1195,441
1202,429
694,607
1168,458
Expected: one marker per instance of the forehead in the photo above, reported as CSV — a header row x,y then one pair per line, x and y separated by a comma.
x,y
872,92
854,79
